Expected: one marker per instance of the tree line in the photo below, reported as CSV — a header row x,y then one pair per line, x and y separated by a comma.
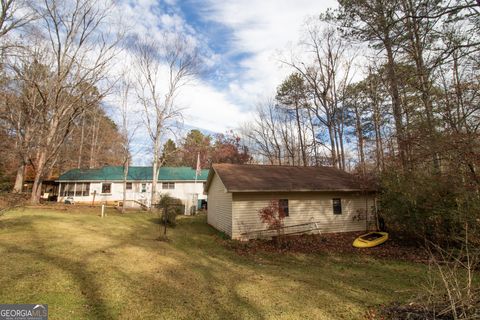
x,y
387,90
54,61
219,148
55,75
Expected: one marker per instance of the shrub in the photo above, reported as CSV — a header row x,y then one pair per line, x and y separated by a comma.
x,y
273,216
170,207
422,204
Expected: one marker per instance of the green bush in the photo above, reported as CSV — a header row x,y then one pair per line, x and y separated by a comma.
x,y
170,207
428,205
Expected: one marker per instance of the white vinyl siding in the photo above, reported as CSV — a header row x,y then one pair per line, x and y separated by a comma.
x,y
219,206
184,190
308,207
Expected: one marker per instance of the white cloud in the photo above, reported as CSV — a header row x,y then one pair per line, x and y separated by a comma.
x,y
262,28
258,28
208,108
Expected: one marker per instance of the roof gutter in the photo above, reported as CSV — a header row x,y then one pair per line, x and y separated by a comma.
x,y
301,190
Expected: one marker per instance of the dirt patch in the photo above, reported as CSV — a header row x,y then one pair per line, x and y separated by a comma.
x,y
333,243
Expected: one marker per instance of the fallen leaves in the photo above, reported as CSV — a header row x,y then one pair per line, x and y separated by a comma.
x,y
333,243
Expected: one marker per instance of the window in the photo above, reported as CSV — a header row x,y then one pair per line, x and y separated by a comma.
x,y
168,185
78,189
129,186
144,187
337,205
68,191
82,189
106,188
283,206
86,189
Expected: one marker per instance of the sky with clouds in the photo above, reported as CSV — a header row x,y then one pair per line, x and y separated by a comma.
x,y
240,42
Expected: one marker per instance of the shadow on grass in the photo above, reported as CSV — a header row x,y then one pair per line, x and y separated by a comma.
x,y
206,280
160,297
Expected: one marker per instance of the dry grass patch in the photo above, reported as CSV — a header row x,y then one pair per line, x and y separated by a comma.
x,y
86,267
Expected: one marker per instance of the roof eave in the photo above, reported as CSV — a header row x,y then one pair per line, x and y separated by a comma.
x,y
299,190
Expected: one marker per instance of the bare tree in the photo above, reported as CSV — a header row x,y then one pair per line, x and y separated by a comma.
x,y
14,14
327,75
73,48
292,95
128,129
162,69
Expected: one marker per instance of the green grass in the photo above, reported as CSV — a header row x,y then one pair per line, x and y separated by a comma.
x,y
86,267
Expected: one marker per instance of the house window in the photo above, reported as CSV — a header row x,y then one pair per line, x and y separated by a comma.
x,y
168,185
86,189
283,206
144,187
78,189
129,186
106,188
337,205
69,187
82,189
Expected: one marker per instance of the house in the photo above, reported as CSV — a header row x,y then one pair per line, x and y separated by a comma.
x,y
316,199
105,185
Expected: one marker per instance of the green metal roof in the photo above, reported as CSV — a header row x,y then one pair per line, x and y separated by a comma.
x,y
115,173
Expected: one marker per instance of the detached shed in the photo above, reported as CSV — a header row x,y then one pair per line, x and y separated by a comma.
x,y
317,199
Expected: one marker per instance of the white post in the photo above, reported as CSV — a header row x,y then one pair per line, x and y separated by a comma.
x,y
103,210
197,172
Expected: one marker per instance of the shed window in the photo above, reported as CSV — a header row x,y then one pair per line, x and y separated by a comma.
x,y
106,188
168,185
144,187
283,206
129,186
337,205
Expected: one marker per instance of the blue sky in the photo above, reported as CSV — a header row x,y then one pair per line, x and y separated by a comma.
x,y
241,43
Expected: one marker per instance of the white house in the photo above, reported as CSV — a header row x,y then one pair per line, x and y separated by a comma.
x,y
314,199
105,185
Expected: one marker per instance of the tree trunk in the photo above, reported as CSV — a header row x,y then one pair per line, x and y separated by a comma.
x,y
155,171
82,138
378,140
342,150
93,144
423,75
314,138
359,131
125,175
299,127
37,183
333,150
18,187
396,103
337,146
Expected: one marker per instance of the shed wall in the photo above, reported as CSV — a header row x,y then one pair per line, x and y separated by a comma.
x,y
309,208
219,206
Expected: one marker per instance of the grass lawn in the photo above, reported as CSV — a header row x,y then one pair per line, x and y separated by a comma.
x,y
86,267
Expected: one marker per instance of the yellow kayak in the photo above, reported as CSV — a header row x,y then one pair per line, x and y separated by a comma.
x,y
370,239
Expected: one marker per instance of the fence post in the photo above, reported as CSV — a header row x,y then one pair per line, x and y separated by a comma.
x,y
103,210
